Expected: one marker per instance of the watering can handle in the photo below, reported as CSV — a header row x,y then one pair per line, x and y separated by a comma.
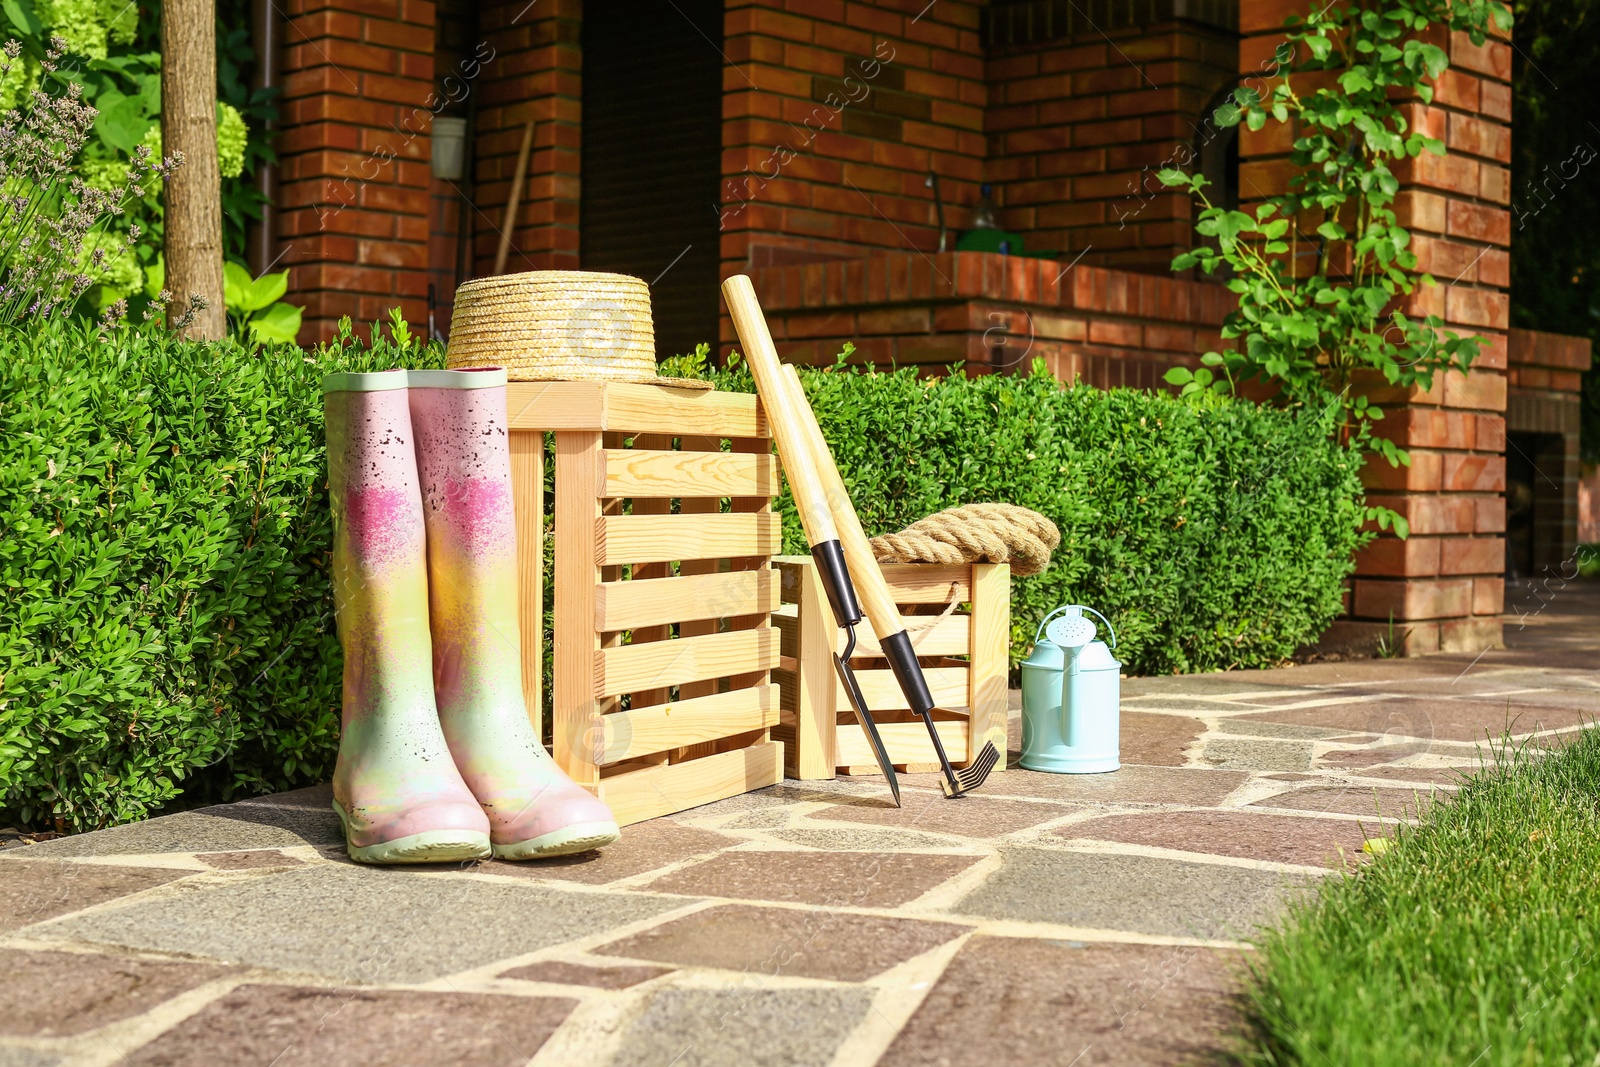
x,y
1104,620
1068,607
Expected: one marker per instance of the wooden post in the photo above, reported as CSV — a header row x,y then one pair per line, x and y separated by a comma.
x,y
527,494
815,716
990,660
579,737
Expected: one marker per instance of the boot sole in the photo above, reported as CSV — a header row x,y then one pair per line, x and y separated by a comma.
x,y
430,846
581,837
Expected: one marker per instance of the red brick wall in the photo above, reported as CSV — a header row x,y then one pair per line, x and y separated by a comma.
x,y
354,159
535,73
1078,129
1106,327
1444,587
834,111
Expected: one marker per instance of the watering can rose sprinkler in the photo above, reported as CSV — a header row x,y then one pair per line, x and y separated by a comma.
x,y
1071,696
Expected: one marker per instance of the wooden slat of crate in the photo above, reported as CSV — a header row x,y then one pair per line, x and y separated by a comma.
x,y
930,636
906,742
990,660
644,731
909,583
656,601
948,636
646,793
654,629
696,566
651,473
683,660
658,538
527,496
593,406
948,685
577,741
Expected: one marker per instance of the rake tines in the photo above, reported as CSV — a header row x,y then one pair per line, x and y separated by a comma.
x,y
973,775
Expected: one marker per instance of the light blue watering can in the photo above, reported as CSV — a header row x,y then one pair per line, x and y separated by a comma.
x,y
1071,696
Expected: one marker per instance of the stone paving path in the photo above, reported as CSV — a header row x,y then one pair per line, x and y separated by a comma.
x,y
1050,920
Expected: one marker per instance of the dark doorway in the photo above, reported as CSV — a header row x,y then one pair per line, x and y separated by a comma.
x,y
652,157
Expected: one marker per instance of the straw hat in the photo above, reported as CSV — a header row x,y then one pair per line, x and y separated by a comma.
x,y
558,325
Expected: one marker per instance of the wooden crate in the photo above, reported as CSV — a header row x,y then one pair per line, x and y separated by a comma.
x,y
667,611
963,654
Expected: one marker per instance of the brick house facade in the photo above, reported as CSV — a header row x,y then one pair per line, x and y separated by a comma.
x,y
857,140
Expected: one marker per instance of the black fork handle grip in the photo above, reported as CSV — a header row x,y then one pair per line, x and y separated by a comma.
x,y
829,557
907,671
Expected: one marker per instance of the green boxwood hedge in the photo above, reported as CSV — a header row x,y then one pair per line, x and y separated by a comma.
x,y
166,623
166,628
1214,533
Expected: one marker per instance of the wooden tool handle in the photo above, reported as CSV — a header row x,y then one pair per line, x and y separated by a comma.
x,y
804,482
871,589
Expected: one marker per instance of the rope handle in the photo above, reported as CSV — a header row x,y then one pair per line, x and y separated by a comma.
x,y
1081,607
920,633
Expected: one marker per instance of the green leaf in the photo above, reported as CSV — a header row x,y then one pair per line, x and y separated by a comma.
x,y
267,290
1178,376
22,16
1172,176
236,284
122,121
280,323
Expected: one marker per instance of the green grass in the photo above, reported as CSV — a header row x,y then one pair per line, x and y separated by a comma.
x,y
1473,940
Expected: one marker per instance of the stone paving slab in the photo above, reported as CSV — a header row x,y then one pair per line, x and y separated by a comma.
x,y
1027,1002
225,828
833,879
750,1027
1243,835
841,946
293,1026
1048,919
356,924
1141,894
59,994
32,891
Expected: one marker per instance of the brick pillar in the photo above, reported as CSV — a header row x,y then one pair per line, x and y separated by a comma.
x,y
1445,586
354,149
535,73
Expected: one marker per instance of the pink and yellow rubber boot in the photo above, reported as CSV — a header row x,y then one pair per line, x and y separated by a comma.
x,y
464,455
395,787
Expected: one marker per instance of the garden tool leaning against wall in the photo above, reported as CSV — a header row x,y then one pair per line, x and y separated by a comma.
x,y
808,456
438,760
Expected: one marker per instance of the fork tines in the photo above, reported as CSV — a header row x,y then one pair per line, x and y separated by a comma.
x,y
973,775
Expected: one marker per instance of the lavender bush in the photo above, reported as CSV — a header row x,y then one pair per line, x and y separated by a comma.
x,y
53,238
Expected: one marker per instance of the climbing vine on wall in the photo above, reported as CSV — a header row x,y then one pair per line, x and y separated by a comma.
x,y
1322,269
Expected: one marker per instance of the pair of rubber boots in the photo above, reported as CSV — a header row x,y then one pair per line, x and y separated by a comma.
x,y
438,761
